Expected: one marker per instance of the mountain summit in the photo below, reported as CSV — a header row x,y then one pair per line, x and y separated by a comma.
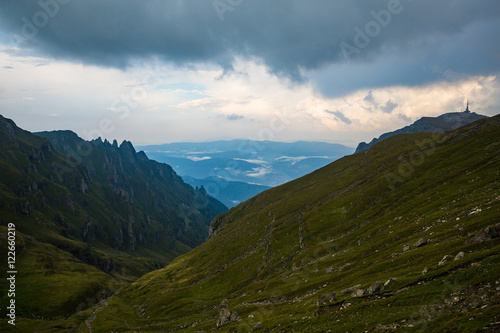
x,y
442,123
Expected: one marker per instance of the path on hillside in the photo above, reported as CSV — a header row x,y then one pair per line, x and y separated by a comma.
x,y
89,321
102,304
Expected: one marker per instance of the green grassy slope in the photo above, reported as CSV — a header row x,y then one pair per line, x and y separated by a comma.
x,y
89,213
350,224
52,283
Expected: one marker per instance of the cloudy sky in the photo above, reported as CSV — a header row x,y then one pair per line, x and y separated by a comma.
x,y
163,71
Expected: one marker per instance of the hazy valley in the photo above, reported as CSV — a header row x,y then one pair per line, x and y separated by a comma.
x,y
234,171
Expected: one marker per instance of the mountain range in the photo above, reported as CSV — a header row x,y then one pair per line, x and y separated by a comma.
x,y
402,237
234,171
90,215
442,123
230,193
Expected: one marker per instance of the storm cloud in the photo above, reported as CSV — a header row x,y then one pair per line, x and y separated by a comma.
x,y
290,37
187,70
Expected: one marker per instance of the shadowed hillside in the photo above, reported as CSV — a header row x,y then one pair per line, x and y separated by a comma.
x,y
88,214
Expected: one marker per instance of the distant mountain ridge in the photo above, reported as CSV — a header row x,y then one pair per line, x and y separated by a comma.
x,y
442,123
223,166
265,163
230,193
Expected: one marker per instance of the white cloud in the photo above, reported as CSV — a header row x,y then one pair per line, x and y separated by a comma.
x,y
296,159
369,119
259,172
252,161
144,106
197,159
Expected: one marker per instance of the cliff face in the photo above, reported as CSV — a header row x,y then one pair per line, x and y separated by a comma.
x,y
443,123
143,193
99,201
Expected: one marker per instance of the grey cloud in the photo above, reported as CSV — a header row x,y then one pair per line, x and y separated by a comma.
x,y
289,36
404,118
389,106
369,98
340,116
234,117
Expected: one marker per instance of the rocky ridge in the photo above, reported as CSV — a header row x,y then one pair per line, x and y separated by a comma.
x,y
442,123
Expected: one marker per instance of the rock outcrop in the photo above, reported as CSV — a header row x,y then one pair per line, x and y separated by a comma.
x,y
227,316
488,233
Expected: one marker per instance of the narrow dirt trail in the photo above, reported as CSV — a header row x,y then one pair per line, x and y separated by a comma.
x,y
102,304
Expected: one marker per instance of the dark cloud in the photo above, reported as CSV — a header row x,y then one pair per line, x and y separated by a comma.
x,y
340,116
8,67
289,36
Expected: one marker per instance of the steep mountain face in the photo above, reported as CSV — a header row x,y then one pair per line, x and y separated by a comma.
x,y
87,213
443,123
145,194
402,237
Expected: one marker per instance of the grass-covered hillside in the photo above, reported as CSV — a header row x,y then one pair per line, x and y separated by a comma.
x,y
89,217
401,237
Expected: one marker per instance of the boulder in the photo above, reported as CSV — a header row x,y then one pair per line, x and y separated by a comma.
x,y
487,234
388,282
257,327
358,293
421,242
444,260
459,256
227,316
377,286
350,290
